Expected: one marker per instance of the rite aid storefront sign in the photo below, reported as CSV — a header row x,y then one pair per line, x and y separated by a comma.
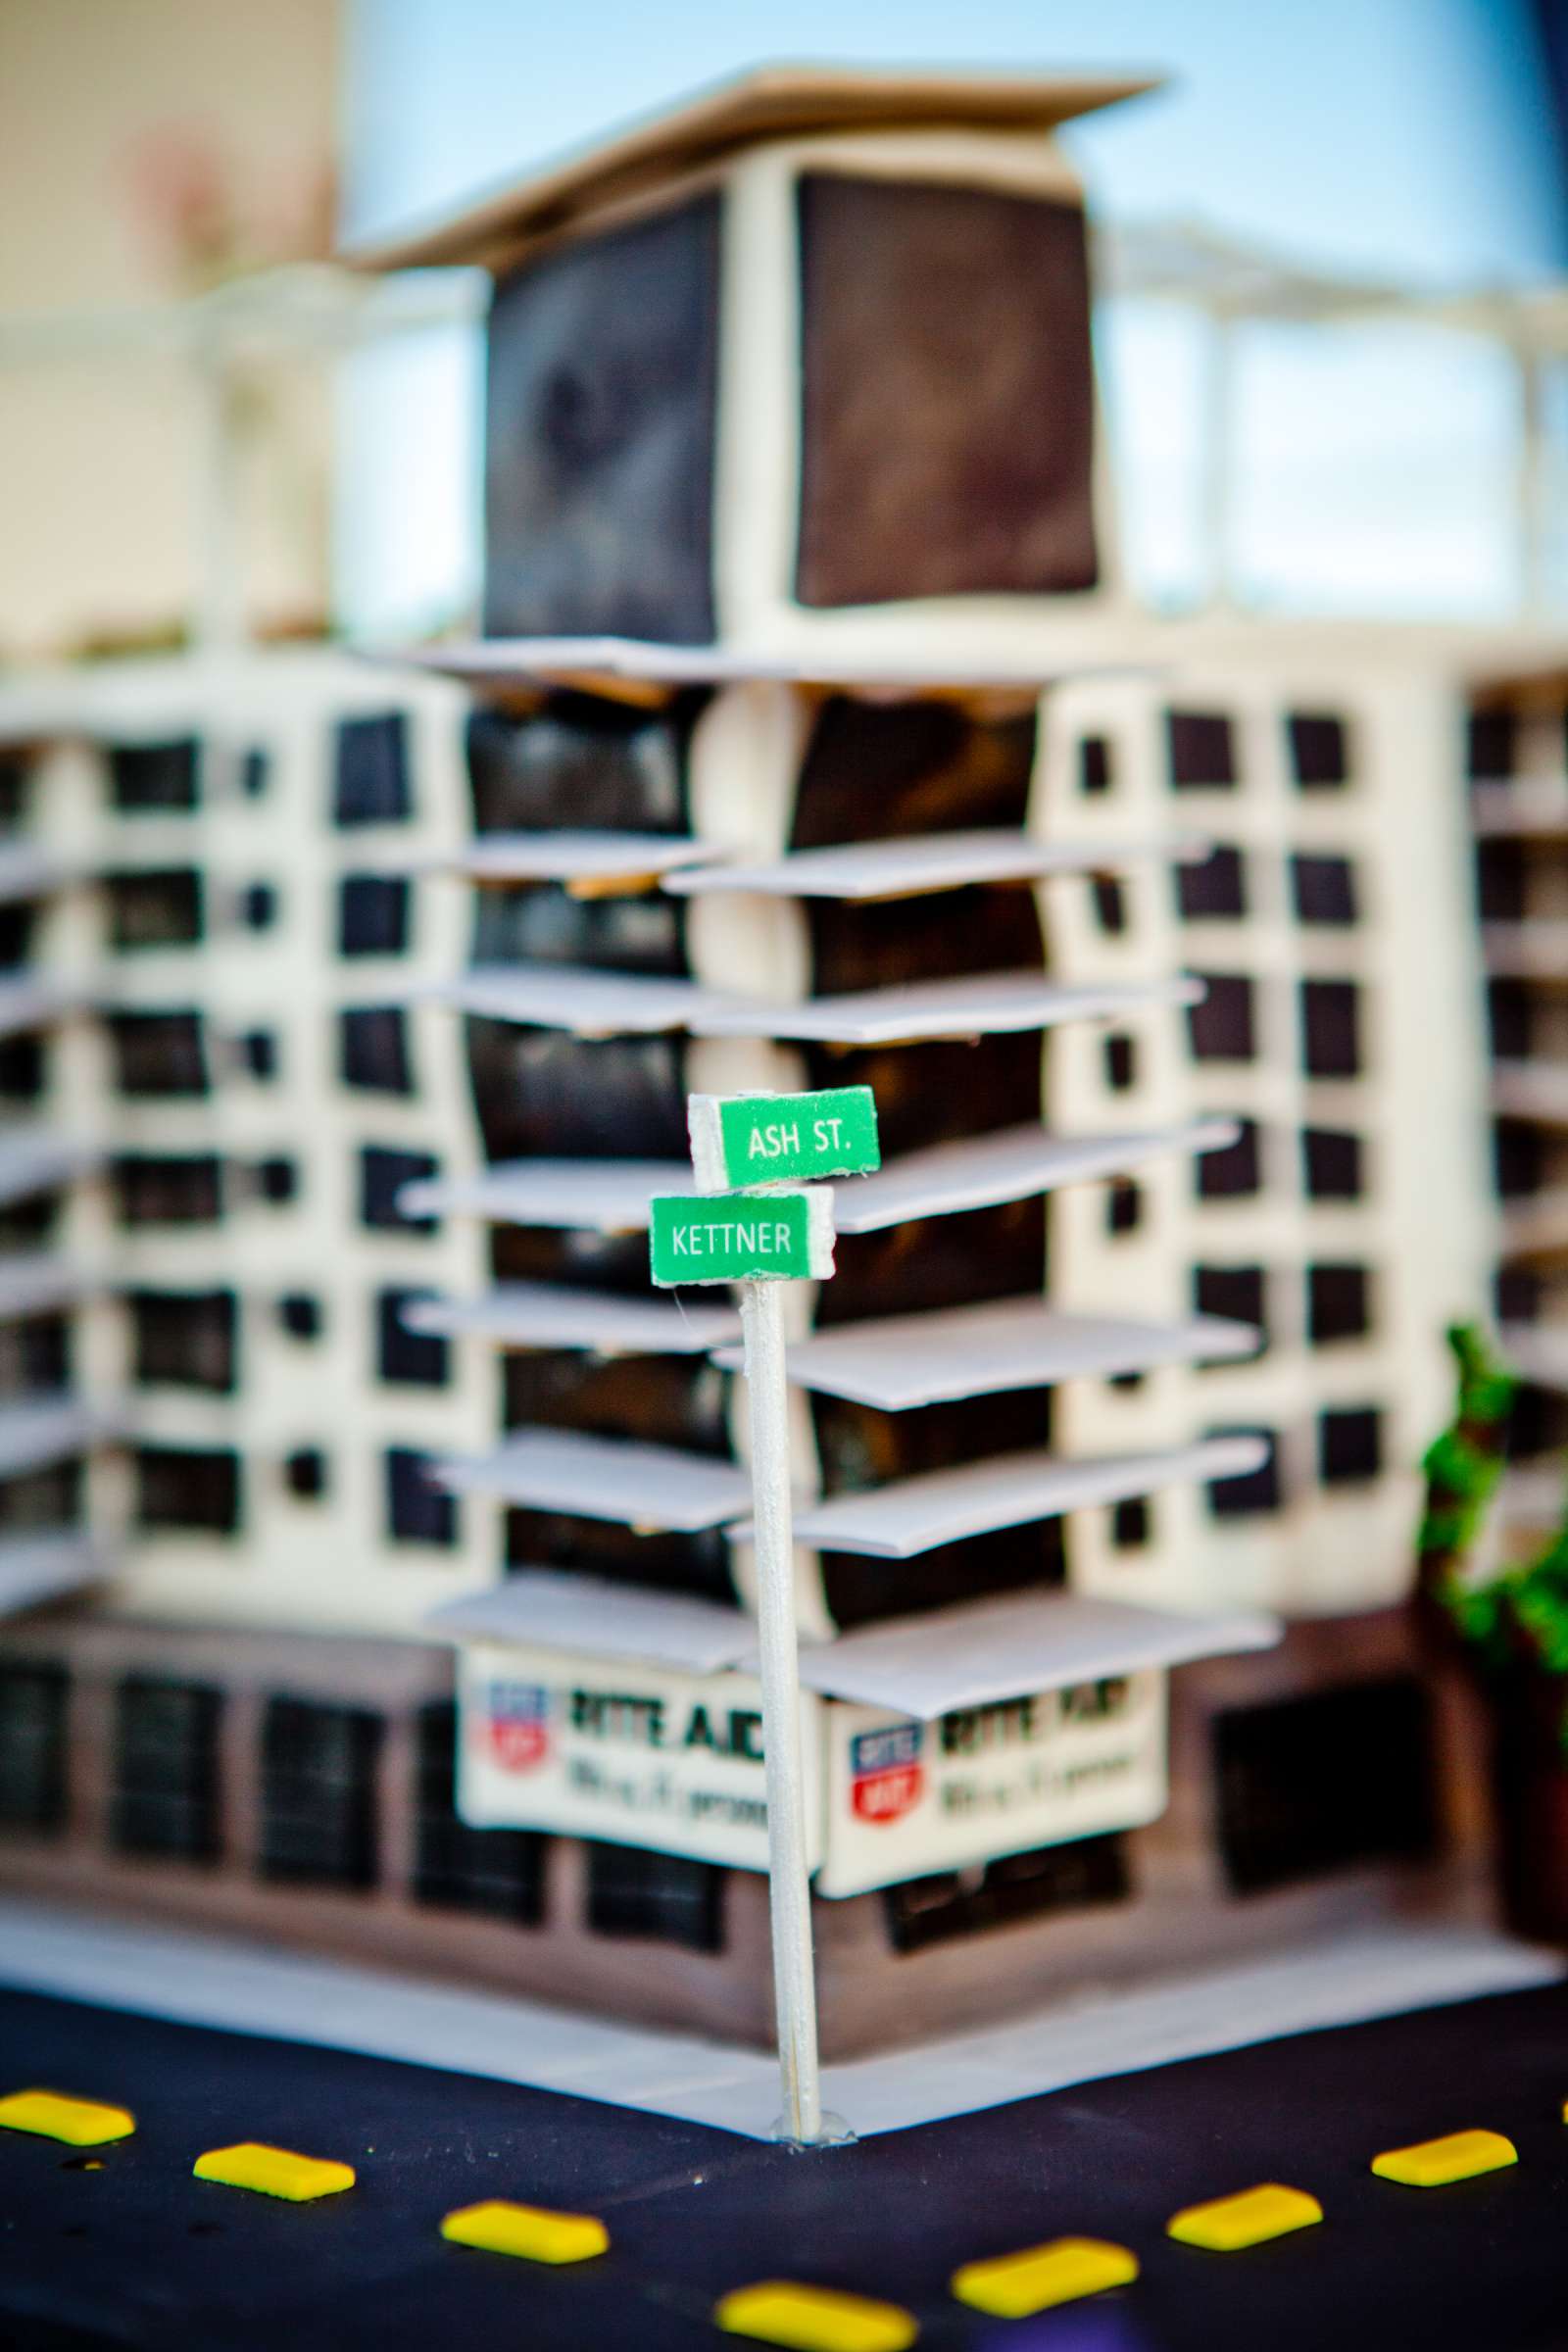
x,y
647,1757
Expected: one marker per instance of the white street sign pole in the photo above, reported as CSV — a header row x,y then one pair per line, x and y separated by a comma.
x,y
790,1891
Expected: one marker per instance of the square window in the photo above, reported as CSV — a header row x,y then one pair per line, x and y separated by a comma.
x,y
1338,1303
382,1175
23,1069
1221,1025
1110,905
255,774
371,777
33,1746
416,1358
1349,1444
1256,1492
1235,1172
1121,1062
1124,1205
417,1511
1130,1523
258,905
499,1872
1203,751
1492,745
1318,750
372,915
1233,1292
180,1486
165,1769
184,1339
319,1793
158,1054
1324,890
374,1050
305,1473
154,907
258,1052
153,777
1212,889
152,1189
1093,764
1331,1028
1331,1159
278,1180
660,1899
300,1315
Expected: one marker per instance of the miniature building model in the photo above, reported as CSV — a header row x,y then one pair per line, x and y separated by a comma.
x,y
807,743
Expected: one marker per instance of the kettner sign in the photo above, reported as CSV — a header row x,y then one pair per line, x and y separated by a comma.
x,y
646,1757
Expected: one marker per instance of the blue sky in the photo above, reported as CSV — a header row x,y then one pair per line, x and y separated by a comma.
x,y
1390,135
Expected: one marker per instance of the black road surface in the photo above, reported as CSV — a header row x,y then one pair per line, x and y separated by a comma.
x,y
119,2246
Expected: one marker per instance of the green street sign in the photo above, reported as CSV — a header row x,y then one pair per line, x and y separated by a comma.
x,y
783,1236
747,1140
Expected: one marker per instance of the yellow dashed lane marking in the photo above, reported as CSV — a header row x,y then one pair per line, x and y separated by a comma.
x,y
531,2231
274,2172
1434,2162
814,2318
1015,2285
84,2122
1227,2225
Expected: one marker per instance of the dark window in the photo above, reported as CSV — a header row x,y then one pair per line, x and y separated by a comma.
x,y
374,1050
1212,889
1222,1026
1203,750
158,1054
909,289
255,774
499,1873
177,1487
1130,1523
578,762
419,1358
1324,890
1504,873
1324,1781
156,1188
880,770
1519,1295
1331,1028
184,1336
1124,1205
157,908
1338,1302
1126,1384
371,779
1318,748
305,1473
15,780
300,1315
1093,764
42,1498
1121,1062
278,1180
22,1068
1491,747
1019,1886
152,776
1256,1491
1333,1164
541,1091
1234,1292
32,1746
258,1052
1349,1444
1520,1156
319,1791
165,1793
34,1354
258,905
417,1511
1110,904
382,1175
1235,1171
372,915
1510,1019
662,1898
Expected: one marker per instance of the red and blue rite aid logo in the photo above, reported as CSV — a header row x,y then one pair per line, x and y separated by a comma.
x,y
518,1724
886,1776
